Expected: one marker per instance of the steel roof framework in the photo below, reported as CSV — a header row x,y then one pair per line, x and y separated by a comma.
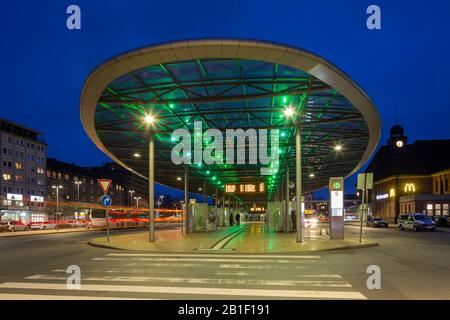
x,y
230,94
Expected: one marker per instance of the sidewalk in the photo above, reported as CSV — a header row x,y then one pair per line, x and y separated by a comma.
x,y
254,239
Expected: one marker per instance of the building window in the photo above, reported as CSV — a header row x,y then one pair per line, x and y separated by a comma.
x,y
429,209
7,177
19,165
66,177
20,179
59,176
445,209
7,164
40,170
437,208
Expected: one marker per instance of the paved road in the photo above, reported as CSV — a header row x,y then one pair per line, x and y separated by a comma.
x,y
413,265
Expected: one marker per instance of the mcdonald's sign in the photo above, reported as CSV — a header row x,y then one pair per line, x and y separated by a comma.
x,y
409,187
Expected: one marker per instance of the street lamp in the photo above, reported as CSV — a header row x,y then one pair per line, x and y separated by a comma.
x,y
78,188
338,147
289,112
78,198
160,200
57,197
131,197
137,201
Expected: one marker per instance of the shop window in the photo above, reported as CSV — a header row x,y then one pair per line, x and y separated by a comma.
x,y
429,209
437,209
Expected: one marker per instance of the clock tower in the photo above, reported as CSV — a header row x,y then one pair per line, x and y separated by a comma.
x,y
397,139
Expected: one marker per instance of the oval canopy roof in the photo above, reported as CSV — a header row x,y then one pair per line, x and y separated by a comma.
x,y
229,84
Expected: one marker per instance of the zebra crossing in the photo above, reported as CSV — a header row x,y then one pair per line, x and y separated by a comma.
x,y
189,276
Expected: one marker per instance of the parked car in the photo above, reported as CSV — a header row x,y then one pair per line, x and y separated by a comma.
x,y
442,221
43,225
17,226
374,222
415,222
77,224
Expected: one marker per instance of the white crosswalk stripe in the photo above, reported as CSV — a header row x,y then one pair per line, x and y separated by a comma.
x,y
188,276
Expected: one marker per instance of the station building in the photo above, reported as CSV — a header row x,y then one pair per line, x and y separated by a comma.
x,y
410,178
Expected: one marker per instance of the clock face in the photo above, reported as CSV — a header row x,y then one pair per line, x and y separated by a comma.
x,y
399,143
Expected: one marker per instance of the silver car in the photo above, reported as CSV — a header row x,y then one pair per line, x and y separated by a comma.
x,y
415,222
17,226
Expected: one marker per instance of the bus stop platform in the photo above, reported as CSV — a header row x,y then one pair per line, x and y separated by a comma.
x,y
247,238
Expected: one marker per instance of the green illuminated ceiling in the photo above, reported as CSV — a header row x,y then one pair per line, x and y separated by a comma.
x,y
230,94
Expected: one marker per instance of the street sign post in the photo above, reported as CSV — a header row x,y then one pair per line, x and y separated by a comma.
x,y
104,184
336,186
105,201
365,183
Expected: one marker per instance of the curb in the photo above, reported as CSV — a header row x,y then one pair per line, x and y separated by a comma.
x,y
98,245
353,246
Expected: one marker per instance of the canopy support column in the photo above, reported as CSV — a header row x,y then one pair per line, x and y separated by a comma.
x,y
151,187
286,197
186,201
298,184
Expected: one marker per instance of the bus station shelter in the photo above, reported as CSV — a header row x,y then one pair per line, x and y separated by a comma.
x,y
131,104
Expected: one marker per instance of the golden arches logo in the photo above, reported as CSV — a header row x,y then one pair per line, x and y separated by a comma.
x,y
409,187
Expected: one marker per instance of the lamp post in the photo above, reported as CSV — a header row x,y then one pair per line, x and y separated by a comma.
x,y
78,189
137,201
78,197
131,197
160,200
57,197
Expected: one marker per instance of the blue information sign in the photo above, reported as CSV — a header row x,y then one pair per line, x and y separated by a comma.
x,y
106,201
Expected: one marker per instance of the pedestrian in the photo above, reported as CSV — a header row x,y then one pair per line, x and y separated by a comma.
x,y
231,218
294,221
238,219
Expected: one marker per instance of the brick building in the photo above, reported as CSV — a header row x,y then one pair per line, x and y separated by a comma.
x,y
410,178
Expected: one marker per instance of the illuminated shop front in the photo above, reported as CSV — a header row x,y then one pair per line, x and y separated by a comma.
x,y
27,209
